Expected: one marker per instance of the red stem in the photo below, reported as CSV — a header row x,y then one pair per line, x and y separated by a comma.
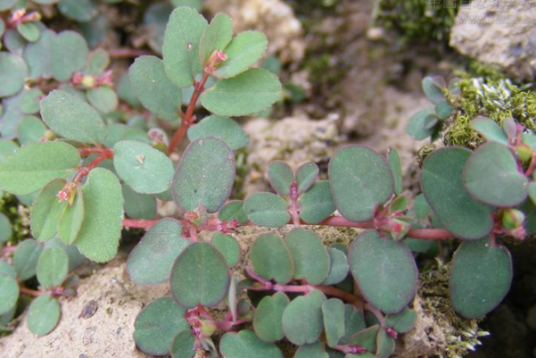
x,y
105,154
188,118
127,53
31,292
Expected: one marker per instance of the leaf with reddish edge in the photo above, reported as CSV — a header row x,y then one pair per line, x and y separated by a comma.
x,y
271,259
442,185
306,176
228,246
403,321
268,318
481,276
354,321
310,256
489,129
183,345
267,209
360,180
385,344
366,338
302,319
317,203
384,270
281,177
333,313
233,210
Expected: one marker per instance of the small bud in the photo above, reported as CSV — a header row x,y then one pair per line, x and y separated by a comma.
x,y
355,350
207,329
294,190
68,193
214,61
392,333
524,152
105,79
512,219
88,81
399,229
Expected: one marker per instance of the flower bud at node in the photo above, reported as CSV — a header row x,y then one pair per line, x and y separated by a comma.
x,y
524,152
512,219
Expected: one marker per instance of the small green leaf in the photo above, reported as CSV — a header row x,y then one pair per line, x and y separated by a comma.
x,y
99,235
333,313
9,292
29,30
310,256
233,210
7,148
384,270
271,259
204,176
228,247
360,180
338,268
247,93
145,169
242,53
480,279
317,203
31,130
489,129
181,45
267,209
52,267
46,211
25,258
403,321
38,55
5,229
366,338
29,102
69,54
354,321
422,124
152,259
200,276
157,324
432,87
216,37
443,110
385,344
302,319
103,98
421,207
268,318
396,169
97,62
7,269
442,185
315,350
306,176
183,345
13,71
139,206
281,176
154,89
72,118
71,219
491,175
75,257
43,315
220,127
245,344
79,10
36,164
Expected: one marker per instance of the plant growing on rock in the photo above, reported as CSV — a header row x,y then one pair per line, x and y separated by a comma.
x,y
87,168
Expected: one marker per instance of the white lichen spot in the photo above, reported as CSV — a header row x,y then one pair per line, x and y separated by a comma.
x,y
140,158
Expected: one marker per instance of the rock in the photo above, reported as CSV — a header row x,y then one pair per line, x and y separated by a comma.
x,y
273,17
498,33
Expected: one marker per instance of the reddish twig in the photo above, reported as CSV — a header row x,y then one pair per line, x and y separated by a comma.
x,y
127,53
105,154
31,292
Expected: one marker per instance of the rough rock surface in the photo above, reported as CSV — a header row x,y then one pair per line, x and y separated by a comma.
x,y
501,33
273,17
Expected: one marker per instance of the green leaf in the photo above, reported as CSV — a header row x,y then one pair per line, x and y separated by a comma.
x,y
31,130
281,177
181,46
103,98
233,210
69,54
242,53
79,10
13,72
403,321
200,276
228,247
157,324
268,318
152,259
385,344
489,129
72,118
432,87
5,229
366,338
247,93
71,219
338,268
317,203
333,314
7,148
194,4
271,259
216,37
52,267
139,206
245,344
29,31
35,164
220,127
354,321
311,258
46,210
442,185
384,270
99,235
360,180
29,103
315,350
7,4
43,315
183,345
443,110
421,207
267,209
306,176
9,292
302,319
38,55
481,277
144,169
396,169
204,176
154,89
97,62
491,175
25,258
422,124
7,269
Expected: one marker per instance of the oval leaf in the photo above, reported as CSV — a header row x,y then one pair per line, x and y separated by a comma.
x,y
245,344
228,246
9,292
220,127
333,314
281,177
183,345
13,72
69,54
489,129
46,211
310,256
338,268
302,319
52,267
267,209
271,259
268,318
43,315
317,203
216,37
71,219
25,258
242,53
